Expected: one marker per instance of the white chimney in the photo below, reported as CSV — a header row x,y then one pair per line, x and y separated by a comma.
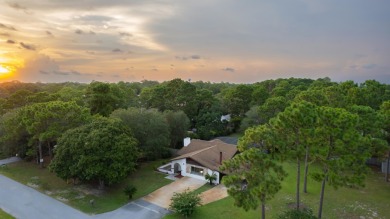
x,y
186,141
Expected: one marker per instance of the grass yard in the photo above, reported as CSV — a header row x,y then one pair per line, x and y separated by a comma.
x,y
204,188
373,201
4,215
145,179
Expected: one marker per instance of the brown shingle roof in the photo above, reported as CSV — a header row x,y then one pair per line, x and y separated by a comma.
x,y
207,152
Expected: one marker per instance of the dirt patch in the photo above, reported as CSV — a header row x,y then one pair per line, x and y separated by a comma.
x,y
88,190
62,199
33,185
358,210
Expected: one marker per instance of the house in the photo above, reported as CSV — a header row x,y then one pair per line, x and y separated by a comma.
x,y
199,157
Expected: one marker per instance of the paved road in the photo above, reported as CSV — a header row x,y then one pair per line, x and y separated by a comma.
x,y
10,160
134,210
24,202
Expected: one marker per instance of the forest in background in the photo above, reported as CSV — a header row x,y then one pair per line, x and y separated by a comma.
x,y
196,106
119,124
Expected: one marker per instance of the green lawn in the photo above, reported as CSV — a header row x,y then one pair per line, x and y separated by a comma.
x,y
203,188
373,201
4,215
145,179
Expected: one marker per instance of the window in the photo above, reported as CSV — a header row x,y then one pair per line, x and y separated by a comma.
x,y
197,171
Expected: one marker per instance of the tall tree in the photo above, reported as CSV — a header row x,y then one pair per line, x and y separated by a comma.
x,y
103,150
253,178
385,112
271,108
149,127
372,93
339,153
101,98
370,125
237,99
13,135
295,127
46,122
259,95
209,124
178,126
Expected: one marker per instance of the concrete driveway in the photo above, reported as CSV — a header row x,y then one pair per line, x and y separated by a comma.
x,y
162,196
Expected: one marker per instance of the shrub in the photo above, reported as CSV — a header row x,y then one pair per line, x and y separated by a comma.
x,y
185,203
210,178
297,214
130,190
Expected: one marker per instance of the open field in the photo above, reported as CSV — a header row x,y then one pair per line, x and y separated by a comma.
x,y
373,201
145,180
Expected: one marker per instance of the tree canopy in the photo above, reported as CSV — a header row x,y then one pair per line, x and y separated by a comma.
x,y
103,150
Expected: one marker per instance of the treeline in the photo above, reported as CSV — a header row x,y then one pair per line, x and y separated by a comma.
x,y
202,102
35,117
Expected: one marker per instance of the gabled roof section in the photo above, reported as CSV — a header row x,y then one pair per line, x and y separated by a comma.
x,y
207,153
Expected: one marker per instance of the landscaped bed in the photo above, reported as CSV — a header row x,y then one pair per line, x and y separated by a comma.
x,y
369,202
145,179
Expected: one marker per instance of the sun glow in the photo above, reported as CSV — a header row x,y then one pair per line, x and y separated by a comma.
x,y
5,70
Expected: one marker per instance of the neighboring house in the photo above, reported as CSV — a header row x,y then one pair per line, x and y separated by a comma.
x,y
198,157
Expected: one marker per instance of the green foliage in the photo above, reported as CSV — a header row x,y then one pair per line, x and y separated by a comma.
x,y
47,121
297,214
236,100
341,150
294,127
130,190
259,95
185,203
178,125
173,95
209,124
385,115
103,150
101,98
272,107
210,177
370,125
252,118
253,178
149,127
13,135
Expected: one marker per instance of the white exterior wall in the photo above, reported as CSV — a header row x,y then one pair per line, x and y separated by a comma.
x,y
182,163
184,167
211,172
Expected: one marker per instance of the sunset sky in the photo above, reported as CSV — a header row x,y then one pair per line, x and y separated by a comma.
x,y
241,41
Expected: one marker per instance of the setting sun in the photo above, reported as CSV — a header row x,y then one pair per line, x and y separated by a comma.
x,y
5,71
